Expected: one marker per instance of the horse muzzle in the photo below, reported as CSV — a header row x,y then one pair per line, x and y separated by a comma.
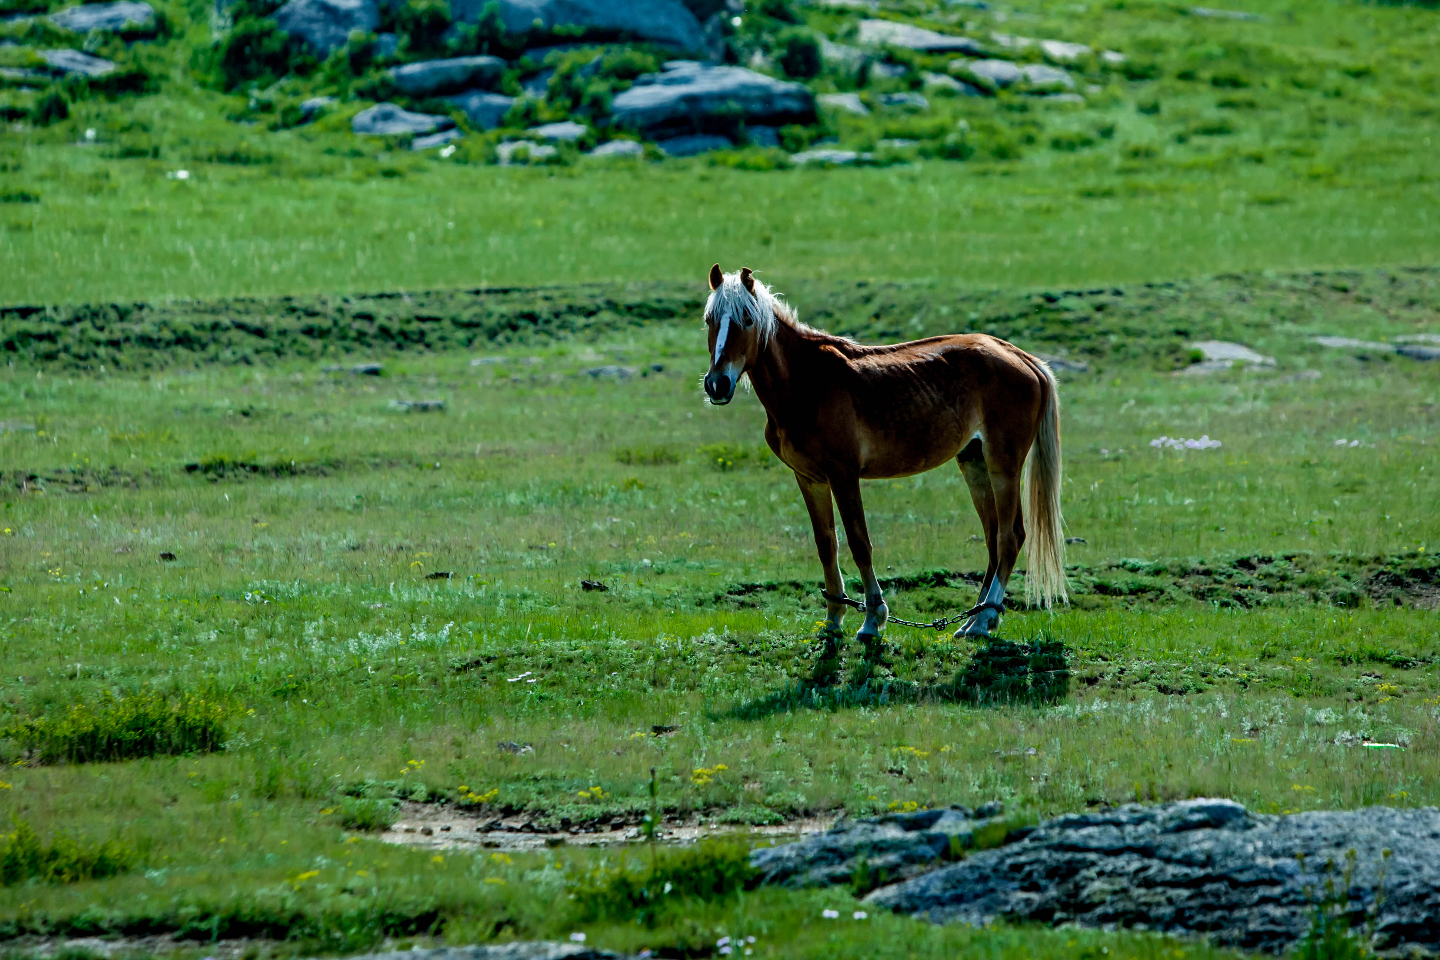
x,y
719,387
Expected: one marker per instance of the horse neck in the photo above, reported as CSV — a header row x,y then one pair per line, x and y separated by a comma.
x,y
783,363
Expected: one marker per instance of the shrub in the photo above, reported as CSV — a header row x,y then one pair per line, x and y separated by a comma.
x,y
645,456
727,456
781,10
799,54
421,25
370,815
486,35
145,725
708,873
50,107
64,860
259,51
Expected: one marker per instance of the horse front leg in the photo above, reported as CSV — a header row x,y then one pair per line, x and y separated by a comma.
x,y
822,521
852,514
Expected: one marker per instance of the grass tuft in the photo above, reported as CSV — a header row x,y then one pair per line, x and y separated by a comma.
x,y
122,729
65,859
709,872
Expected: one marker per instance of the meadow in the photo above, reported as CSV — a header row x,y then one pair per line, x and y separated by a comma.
x,y
366,600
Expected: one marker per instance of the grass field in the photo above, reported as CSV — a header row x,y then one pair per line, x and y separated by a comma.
x,y
351,588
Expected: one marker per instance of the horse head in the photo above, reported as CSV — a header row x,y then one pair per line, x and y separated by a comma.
x,y
738,315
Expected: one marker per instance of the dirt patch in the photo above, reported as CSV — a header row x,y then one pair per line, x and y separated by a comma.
x,y
69,480
443,827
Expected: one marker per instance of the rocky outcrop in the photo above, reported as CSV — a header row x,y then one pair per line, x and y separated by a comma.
x,y
73,61
691,97
326,24
123,16
1003,73
388,119
885,849
536,950
619,148
485,110
1201,867
430,78
889,33
665,22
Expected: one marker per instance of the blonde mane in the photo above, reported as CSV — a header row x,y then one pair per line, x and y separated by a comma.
x,y
731,303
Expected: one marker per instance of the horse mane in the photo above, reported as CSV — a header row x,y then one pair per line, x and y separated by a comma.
x,y
731,301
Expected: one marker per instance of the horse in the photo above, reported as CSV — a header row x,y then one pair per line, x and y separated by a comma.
x,y
839,412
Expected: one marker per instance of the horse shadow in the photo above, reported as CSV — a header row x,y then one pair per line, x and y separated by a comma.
x,y
1032,672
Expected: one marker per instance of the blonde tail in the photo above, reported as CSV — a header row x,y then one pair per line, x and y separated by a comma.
x,y
1045,573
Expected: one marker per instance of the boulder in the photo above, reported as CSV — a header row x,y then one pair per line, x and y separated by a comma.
x,y
436,139
892,847
693,144
1416,352
888,33
567,130
691,97
1040,75
326,24
431,78
906,101
763,136
311,110
664,22
849,102
828,157
1002,73
888,71
73,61
518,151
388,119
1201,867
941,83
1223,350
619,148
485,110
1212,12
119,17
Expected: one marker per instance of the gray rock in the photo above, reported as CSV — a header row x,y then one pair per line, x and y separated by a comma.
x,y
436,139
485,110
326,24
537,86
664,22
115,17
907,101
73,61
619,148
949,86
1415,352
388,119
619,373
27,77
1204,867
1223,350
888,71
312,109
418,406
430,78
520,151
840,55
876,33
1225,14
892,847
762,136
849,102
1002,73
828,157
567,130
1431,338
539,950
1040,75
1350,343
1065,98
689,97
387,46
693,144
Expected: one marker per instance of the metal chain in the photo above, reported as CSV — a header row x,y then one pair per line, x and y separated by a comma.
x,y
932,625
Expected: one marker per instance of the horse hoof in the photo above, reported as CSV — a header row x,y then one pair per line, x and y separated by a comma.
x,y
979,625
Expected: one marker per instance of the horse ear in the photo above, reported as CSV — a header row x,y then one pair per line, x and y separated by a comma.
x,y
747,279
716,277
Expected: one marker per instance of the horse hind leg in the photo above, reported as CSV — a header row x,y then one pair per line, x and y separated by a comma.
x,y
977,477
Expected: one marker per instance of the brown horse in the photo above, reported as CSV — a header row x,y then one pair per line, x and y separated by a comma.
x,y
839,413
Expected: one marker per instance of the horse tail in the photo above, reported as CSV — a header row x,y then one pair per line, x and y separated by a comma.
x,y
1045,573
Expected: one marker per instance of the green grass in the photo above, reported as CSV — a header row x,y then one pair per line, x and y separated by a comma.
x,y
1244,616
1299,142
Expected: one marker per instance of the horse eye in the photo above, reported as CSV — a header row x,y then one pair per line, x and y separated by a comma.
x,y
749,320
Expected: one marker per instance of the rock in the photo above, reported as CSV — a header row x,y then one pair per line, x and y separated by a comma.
x,y
908,101
1206,867
1002,73
896,143
1040,75
418,406
436,139
891,847
387,46
1415,352
311,110
535,950
1065,98
368,369
537,86
838,158
619,148
1221,350
762,136
888,71
567,130
388,119
619,373
485,110
664,22
326,24
1349,343
948,85
1225,14
849,102
119,17
510,746
430,78
877,33
25,76
521,151
73,61
846,57
1112,57
691,97
1062,52
693,144
1431,338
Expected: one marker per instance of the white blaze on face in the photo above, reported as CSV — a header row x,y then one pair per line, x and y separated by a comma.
x,y
724,324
